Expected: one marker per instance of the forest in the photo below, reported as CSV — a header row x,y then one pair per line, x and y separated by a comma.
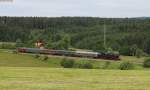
x,y
128,36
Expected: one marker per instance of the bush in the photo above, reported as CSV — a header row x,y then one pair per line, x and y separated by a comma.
x,y
126,66
106,64
67,63
45,58
37,56
7,46
147,63
86,65
125,51
15,52
139,53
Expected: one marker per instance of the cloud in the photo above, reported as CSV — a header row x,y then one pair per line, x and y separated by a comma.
x,y
95,8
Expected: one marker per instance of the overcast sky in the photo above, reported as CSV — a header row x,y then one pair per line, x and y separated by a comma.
x,y
95,8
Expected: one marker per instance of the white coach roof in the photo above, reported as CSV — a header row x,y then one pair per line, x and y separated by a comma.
x,y
85,52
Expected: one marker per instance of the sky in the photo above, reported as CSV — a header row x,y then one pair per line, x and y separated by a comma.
x,y
89,8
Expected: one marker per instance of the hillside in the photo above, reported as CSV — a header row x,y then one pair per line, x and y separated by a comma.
x,y
122,34
24,71
9,59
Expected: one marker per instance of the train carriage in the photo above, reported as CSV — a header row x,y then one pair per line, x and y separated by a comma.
x,y
86,54
96,55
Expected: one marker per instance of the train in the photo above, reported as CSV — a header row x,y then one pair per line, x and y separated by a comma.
x,y
86,54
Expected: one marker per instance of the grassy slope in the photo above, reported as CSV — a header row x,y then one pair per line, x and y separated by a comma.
x,y
24,72
9,59
22,60
12,78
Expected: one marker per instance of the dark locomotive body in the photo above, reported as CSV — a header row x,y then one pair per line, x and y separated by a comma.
x,y
95,55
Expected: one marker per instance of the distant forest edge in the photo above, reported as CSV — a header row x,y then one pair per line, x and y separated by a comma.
x,y
126,35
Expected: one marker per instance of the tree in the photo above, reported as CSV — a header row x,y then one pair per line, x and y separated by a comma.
x,y
49,44
147,63
19,43
139,53
133,50
84,32
63,44
147,46
125,51
58,45
115,46
66,42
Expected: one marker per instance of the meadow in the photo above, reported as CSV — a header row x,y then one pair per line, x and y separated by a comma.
x,y
25,72
31,78
9,59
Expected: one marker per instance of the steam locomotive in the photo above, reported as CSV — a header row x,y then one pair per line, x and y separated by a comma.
x,y
87,54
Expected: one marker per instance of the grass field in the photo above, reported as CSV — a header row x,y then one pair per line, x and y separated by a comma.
x,y
19,78
7,58
25,72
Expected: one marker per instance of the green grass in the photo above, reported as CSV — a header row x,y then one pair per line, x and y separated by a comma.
x,y
24,60
11,43
7,58
25,72
17,78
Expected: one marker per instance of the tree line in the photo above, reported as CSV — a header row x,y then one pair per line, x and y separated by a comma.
x,y
126,35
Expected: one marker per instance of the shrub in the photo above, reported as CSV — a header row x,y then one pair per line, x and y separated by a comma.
x,y
45,58
15,52
67,63
106,64
147,63
86,65
19,43
139,53
37,56
126,66
125,51
7,46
